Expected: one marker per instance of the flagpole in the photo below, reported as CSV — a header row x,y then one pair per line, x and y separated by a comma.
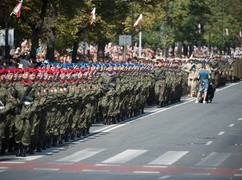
x,y
140,43
132,33
6,41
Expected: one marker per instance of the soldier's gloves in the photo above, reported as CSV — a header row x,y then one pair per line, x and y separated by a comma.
x,y
27,103
2,108
112,84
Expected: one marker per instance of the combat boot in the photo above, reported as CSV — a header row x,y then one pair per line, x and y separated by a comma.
x,y
114,120
23,152
159,105
4,147
30,151
87,130
54,140
142,110
19,150
73,136
38,148
83,132
2,152
11,145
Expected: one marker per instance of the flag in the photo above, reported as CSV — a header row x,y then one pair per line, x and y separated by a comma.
x,y
17,10
24,44
138,21
93,16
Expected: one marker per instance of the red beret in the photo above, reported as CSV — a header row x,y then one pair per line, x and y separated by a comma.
x,y
11,70
2,71
84,70
49,71
18,71
26,70
33,70
65,71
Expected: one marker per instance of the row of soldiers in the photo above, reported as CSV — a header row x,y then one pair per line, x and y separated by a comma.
x,y
40,107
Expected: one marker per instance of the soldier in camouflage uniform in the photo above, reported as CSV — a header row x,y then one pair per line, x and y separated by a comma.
x,y
160,83
3,104
22,122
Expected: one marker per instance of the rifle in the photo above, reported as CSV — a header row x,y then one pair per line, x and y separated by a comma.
x,y
157,77
109,83
25,99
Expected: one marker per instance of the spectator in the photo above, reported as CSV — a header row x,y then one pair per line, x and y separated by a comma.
x,y
203,77
24,62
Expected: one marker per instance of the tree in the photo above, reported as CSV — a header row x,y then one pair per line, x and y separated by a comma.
x,y
64,24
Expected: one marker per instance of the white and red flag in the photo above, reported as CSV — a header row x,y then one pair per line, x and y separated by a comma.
x,y
138,21
93,16
24,43
17,10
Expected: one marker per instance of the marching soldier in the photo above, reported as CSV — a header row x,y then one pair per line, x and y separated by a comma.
x,y
3,104
22,122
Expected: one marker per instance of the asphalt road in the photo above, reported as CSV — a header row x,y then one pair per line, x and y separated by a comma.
x,y
184,141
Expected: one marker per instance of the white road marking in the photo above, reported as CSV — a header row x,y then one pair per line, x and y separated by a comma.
x,y
240,169
125,156
63,163
2,171
30,158
104,128
4,168
46,169
221,133
214,159
165,177
198,174
12,162
146,172
149,166
91,170
118,126
240,119
238,175
227,86
80,155
169,157
106,165
209,143
231,125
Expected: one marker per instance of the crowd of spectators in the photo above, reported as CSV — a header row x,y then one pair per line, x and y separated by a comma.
x,y
19,56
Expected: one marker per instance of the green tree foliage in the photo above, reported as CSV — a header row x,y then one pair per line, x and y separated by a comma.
x,y
68,24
